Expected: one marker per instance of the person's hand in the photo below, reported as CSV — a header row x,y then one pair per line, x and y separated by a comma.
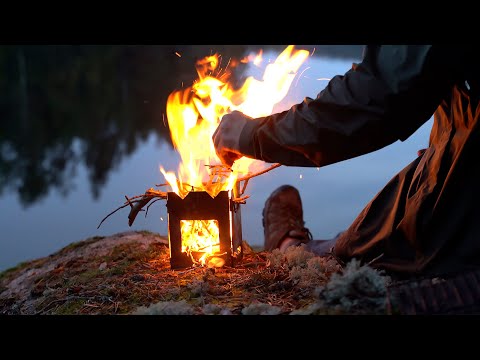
x,y
226,137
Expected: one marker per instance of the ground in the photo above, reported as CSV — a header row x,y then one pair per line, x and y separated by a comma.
x,y
129,273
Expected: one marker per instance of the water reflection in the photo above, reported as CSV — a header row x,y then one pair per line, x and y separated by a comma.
x,y
88,119
108,97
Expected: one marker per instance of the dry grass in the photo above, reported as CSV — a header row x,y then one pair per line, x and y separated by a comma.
x,y
132,278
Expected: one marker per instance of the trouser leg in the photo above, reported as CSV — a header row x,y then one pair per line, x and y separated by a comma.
x,y
322,247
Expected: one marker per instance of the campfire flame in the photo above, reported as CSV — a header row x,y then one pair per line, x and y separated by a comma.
x,y
200,236
193,115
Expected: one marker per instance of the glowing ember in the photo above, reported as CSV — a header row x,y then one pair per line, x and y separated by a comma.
x,y
194,113
200,236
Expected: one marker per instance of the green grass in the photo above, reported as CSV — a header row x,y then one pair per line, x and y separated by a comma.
x,y
70,307
79,244
16,268
87,276
147,232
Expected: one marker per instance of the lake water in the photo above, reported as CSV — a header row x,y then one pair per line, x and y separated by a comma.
x,y
76,137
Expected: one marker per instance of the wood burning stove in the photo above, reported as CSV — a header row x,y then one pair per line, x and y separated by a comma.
x,y
201,227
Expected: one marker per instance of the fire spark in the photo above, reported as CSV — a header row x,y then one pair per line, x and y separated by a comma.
x,y
193,115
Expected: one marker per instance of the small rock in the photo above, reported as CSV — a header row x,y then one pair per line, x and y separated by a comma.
x,y
102,266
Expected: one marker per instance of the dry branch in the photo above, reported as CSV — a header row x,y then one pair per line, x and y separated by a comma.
x,y
249,176
137,202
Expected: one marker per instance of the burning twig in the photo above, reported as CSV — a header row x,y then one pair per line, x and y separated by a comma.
x,y
250,176
219,173
208,246
241,200
244,187
180,186
137,202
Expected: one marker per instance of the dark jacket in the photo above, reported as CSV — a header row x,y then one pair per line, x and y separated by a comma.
x,y
427,218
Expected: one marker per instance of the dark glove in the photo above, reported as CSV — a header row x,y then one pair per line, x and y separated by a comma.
x,y
226,138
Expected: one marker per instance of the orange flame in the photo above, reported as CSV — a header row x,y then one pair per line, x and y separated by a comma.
x,y
200,237
194,113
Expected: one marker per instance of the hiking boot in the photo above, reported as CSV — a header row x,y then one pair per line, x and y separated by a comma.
x,y
283,217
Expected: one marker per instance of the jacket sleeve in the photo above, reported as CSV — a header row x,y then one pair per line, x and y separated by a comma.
x,y
387,97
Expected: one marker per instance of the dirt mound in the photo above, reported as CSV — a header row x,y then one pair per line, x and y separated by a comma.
x,y
129,273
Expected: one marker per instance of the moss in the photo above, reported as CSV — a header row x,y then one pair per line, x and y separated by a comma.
x,y
139,275
260,278
40,262
172,294
358,289
87,276
198,288
166,308
135,298
79,244
154,251
123,251
70,307
146,233
119,268
16,268
124,256
261,309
